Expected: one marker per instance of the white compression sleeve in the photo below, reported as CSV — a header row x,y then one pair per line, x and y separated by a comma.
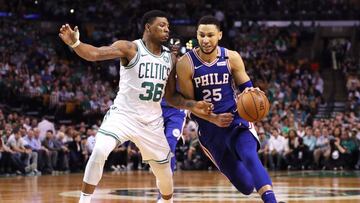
x,y
163,174
94,168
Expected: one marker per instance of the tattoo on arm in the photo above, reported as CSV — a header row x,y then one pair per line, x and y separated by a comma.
x,y
179,101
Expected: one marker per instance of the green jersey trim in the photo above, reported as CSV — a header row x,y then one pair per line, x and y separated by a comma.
x,y
142,43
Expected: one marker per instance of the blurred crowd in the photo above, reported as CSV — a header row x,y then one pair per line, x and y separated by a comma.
x,y
34,77
240,9
29,146
40,76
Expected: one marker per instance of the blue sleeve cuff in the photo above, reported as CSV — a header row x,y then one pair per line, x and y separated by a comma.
x,y
245,85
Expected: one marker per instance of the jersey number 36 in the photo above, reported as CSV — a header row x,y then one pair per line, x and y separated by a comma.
x,y
153,91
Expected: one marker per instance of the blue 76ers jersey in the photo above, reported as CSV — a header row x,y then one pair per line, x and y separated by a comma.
x,y
213,82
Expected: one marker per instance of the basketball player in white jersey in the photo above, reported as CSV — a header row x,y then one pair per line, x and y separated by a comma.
x,y
136,114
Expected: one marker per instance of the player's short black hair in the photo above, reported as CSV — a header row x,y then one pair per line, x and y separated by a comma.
x,y
150,16
209,20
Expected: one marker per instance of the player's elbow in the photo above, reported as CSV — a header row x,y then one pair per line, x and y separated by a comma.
x,y
170,99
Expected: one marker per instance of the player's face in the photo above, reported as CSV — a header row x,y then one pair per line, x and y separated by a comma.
x,y
208,37
159,29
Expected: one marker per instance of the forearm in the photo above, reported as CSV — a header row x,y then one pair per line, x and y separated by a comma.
x,y
87,51
178,101
210,117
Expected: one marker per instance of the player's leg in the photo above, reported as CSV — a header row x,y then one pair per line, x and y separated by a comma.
x,y
94,168
237,173
174,120
155,150
244,144
164,180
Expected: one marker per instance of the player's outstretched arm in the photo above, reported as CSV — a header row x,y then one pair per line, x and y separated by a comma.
x,y
118,49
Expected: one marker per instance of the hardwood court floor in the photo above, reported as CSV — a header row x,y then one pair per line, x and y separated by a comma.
x,y
191,186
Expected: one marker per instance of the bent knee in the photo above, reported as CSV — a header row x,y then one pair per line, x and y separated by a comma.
x,y
245,188
242,184
99,155
248,191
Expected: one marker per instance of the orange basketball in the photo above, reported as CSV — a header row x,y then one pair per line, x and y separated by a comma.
x,y
253,105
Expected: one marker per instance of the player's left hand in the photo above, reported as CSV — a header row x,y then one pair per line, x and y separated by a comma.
x,y
222,120
202,108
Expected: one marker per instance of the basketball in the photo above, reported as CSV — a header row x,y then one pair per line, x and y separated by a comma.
x,y
253,105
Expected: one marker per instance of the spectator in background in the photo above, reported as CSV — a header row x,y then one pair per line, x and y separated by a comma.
x,y
27,124
300,155
52,152
356,134
8,159
91,133
322,147
44,156
264,151
196,159
28,158
336,160
291,145
34,123
277,145
44,126
318,82
63,152
310,141
85,151
134,156
32,143
77,156
182,148
350,153
117,160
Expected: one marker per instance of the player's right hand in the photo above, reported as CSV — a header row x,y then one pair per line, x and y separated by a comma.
x,y
68,35
202,108
222,120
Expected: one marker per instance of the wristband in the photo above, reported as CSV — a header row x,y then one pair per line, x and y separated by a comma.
x,y
243,86
75,44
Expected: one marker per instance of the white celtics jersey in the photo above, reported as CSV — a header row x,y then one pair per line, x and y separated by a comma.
x,y
142,84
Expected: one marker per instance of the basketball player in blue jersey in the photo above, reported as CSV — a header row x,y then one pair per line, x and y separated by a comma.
x,y
212,73
146,74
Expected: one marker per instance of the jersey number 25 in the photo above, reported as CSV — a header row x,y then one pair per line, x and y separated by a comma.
x,y
212,95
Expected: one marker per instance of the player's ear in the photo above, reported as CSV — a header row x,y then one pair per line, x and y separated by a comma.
x,y
147,26
220,35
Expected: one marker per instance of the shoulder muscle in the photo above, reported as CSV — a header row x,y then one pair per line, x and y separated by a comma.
x,y
184,67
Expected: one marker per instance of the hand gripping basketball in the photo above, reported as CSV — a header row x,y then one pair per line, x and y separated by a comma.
x,y
253,105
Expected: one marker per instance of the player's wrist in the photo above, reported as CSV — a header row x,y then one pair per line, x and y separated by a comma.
x,y
76,44
245,85
190,105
